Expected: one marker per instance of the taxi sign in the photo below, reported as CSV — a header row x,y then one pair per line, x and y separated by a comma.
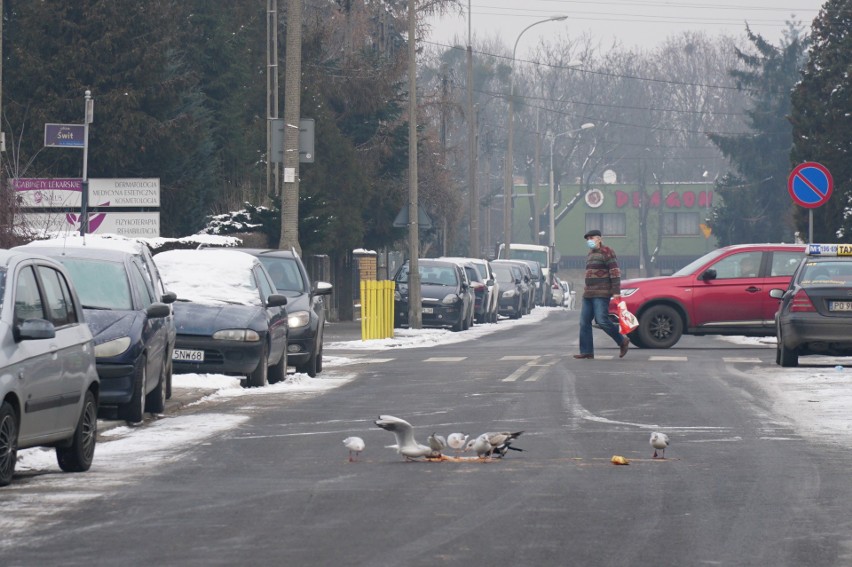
x,y
829,249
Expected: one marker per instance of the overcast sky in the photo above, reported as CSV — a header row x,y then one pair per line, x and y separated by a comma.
x,y
636,23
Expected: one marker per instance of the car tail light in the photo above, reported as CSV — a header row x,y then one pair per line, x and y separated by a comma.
x,y
801,302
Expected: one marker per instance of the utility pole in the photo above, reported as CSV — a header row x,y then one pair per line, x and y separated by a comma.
x,y
473,204
415,315
271,94
292,110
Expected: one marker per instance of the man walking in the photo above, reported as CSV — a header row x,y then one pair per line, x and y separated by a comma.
x,y
603,280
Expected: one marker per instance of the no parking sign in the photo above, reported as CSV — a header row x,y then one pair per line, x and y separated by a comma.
x,y
810,184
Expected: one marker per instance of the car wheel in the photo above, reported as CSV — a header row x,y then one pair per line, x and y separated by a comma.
x,y
79,455
660,327
134,410
636,340
8,442
787,357
278,372
155,401
258,378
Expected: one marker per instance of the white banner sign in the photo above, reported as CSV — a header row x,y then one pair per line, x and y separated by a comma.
x,y
124,192
132,225
48,192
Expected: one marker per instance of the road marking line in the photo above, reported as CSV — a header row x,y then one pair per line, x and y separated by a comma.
x,y
521,357
538,373
517,373
668,358
445,359
732,359
372,360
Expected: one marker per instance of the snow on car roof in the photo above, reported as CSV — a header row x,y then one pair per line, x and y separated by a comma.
x,y
100,241
211,277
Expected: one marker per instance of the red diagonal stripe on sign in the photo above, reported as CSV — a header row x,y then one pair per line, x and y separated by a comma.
x,y
807,182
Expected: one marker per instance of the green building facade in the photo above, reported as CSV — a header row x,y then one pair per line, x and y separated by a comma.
x,y
676,230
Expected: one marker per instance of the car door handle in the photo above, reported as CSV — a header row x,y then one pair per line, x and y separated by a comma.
x,y
752,289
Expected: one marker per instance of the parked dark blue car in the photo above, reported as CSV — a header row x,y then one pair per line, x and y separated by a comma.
x,y
130,321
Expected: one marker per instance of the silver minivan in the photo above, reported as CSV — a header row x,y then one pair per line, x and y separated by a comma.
x,y
49,386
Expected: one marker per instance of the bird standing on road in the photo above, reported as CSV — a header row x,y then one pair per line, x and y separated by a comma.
x,y
488,443
457,440
355,445
404,433
437,443
659,441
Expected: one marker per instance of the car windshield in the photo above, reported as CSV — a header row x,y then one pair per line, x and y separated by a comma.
x,y
695,264
503,274
285,273
537,255
833,273
100,284
430,275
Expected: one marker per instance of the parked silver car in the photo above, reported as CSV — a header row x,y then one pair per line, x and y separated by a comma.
x,y
49,386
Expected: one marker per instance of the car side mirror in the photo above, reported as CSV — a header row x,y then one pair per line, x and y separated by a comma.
x,y
276,300
158,311
708,274
489,283
35,329
776,293
169,297
322,288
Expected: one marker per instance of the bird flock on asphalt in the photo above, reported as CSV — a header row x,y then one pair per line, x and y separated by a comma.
x,y
489,445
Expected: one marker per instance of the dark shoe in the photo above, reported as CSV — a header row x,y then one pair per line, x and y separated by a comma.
x,y
624,346
584,356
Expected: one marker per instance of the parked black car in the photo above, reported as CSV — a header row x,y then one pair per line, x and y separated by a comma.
x,y
522,272
447,298
229,317
511,301
815,316
129,319
305,306
484,287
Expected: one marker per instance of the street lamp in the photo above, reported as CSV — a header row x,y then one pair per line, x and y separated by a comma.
x,y
550,213
508,180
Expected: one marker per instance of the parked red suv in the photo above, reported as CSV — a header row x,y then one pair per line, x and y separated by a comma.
x,y
725,292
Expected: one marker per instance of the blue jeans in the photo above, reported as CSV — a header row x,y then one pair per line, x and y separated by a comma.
x,y
597,309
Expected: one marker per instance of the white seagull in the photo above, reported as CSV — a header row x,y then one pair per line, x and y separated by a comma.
x,y
486,444
659,441
404,433
457,440
355,445
437,443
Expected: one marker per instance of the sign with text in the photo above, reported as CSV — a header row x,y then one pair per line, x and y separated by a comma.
x,y
124,192
132,225
34,192
64,135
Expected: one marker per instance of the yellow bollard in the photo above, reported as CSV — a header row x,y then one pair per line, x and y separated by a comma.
x,y
376,309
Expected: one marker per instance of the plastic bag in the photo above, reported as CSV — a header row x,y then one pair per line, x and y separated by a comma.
x,y
627,321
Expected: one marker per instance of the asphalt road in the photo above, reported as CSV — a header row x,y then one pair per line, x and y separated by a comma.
x,y
739,485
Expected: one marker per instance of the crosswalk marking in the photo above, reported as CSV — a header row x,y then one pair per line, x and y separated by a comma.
x,y
667,358
520,357
446,359
734,359
517,373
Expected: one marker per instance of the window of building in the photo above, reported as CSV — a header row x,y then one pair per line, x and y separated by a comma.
x,y
681,224
610,224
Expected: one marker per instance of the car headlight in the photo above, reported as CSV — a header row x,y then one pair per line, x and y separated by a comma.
x,y
112,348
450,299
245,335
629,291
298,319
509,293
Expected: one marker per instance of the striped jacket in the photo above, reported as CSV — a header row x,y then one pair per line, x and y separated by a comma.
x,y
603,277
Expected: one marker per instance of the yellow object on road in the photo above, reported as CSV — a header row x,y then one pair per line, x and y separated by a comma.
x,y
619,460
376,309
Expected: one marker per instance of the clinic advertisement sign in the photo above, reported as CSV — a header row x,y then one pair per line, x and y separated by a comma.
x,y
48,193
139,193
131,225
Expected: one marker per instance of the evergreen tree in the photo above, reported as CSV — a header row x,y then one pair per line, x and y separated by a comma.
x,y
822,121
756,206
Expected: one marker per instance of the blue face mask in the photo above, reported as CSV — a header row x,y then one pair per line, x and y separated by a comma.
x,y
590,243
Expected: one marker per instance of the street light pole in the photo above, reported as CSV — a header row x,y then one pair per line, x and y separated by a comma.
x,y
550,213
508,180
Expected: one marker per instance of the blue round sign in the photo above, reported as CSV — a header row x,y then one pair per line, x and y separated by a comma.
x,y
810,184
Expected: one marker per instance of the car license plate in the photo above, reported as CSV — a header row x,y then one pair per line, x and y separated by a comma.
x,y
186,355
427,310
840,305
